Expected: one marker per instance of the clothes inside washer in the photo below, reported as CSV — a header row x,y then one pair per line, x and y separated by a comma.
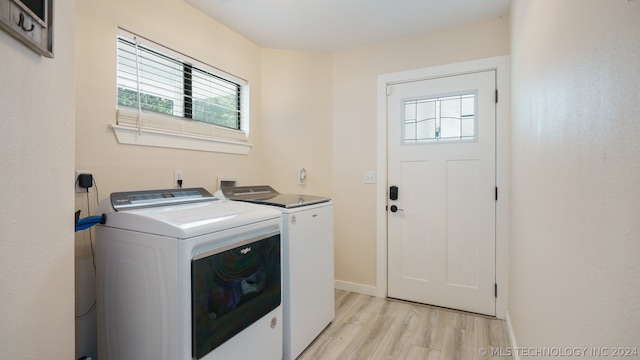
x,y
235,279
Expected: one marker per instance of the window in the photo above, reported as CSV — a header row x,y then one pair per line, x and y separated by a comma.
x,y
180,101
440,118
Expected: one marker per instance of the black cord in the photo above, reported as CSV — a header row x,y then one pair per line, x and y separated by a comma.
x,y
93,255
93,306
96,186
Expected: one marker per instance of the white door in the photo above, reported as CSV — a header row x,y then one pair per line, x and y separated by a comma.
x,y
441,158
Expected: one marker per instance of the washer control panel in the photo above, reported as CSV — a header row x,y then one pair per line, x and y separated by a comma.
x,y
149,198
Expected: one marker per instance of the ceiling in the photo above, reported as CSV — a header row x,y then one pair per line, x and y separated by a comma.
x,y
330,26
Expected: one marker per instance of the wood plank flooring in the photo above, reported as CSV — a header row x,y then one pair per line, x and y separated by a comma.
x,y
367,327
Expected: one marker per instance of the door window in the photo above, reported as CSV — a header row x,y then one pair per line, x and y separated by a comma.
x,y
434,119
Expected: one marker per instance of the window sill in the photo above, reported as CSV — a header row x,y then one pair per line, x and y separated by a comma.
x,y
147,137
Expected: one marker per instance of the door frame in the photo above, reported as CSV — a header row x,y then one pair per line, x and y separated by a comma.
x,y
501,65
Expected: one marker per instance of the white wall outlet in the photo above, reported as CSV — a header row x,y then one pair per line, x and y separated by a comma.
x,y
369,177
177,175
78,188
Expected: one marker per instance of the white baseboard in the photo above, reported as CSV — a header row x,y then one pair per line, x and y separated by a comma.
x,y
512,337
354,287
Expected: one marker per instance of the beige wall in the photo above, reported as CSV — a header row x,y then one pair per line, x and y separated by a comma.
x,y
354,128
575,210
37,117
297,118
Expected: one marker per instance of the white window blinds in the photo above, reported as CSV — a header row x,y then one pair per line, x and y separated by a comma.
x,y
161,90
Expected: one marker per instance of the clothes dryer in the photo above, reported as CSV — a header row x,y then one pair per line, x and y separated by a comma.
x,y
307,238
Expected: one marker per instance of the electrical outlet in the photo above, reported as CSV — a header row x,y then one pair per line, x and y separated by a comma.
x,y
78,188
177,175
369,177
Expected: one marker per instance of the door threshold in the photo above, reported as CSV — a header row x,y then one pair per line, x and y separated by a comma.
x,y
463,312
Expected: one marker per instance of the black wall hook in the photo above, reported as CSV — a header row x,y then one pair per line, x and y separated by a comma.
x,y
21,24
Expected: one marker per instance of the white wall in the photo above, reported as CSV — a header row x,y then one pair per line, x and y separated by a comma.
x,y
354,130
37,116
575,211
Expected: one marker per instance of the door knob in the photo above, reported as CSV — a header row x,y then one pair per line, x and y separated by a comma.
x,y
394,208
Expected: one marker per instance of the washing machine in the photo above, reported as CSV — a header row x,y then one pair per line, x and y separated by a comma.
x,y
184,275
307,239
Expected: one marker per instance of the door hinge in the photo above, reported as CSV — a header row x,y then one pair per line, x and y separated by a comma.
x,y
496,96
496,193
496,289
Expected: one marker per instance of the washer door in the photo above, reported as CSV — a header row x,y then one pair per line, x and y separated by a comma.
x,y
232,289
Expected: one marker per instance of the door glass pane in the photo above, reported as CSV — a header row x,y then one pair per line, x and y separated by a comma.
x,y
426,125
440,118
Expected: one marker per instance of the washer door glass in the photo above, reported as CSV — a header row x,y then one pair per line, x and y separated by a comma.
x,y
233,289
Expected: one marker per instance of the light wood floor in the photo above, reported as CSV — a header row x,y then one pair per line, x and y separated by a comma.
x,y
367,327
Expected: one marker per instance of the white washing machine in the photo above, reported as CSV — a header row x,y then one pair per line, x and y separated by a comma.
x,y
307,239
183,275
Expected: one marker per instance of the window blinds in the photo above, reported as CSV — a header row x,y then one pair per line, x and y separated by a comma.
x,y
160,89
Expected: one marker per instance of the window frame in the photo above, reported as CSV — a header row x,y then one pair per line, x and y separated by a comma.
x,y
147,128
